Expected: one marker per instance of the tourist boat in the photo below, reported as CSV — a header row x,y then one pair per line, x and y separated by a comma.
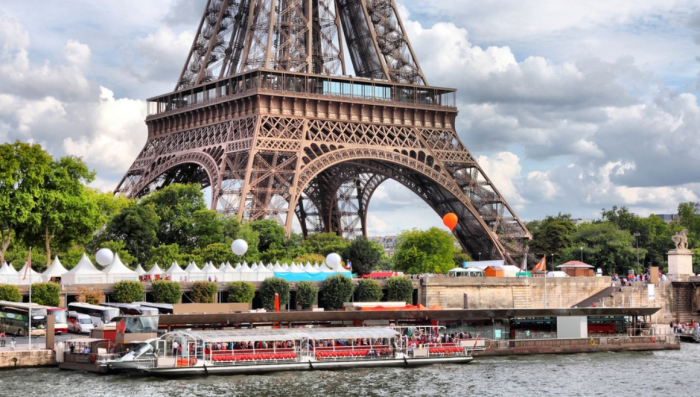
x,y
187,352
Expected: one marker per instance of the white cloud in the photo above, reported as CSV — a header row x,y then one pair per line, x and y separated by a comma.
x,y
163,54
504,170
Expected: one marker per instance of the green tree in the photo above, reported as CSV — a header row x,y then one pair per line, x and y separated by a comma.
x,y
210,227
399,289
429,251
306,294
10,293
459,257
385,264
336,290
136,226
175,206
204,291
166,291
127,291
217,253
269,288
364,255
46,294
323,244
368,291
246,232
270,234
119,248
605,246
241,292
165,255
552,235
23,168
311,258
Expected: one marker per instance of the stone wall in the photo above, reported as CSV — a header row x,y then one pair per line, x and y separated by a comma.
x,y
509,292
27,358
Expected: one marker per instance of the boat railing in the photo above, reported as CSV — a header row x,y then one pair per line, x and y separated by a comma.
x,y
355,352
248,356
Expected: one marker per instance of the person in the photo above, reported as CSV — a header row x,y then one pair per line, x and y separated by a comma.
x,y
176,347
71,348
2,339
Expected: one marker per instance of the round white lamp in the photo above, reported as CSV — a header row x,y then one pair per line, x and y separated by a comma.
x,y
239,247
333,260
104,256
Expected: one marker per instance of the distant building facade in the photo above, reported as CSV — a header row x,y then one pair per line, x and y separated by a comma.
x,y
668,218
387,242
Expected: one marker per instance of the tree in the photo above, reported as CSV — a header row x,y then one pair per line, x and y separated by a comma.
x,y
429,251
552,235
336,291
136,226
241,292
119,248
269,288
23,168
166,291
311,258
246,232
65,208
270,234
399,289
459,257
368,291
165,255
323,244
604,246
175,206
46,294
385,264
203,291
210,227
127,291
306,294
217,253
364,255
10,293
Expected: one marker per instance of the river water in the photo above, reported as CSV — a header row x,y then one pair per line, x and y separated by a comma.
x,y
598,374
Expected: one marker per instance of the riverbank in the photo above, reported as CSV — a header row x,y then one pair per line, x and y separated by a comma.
x,y
10,359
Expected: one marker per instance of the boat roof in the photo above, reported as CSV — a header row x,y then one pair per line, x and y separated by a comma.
x,y
288,334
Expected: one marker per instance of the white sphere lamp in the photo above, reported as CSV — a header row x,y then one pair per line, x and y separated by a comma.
x,y
333,260
104,256
239,247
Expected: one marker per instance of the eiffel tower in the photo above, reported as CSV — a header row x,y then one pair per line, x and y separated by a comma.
x,y
265,113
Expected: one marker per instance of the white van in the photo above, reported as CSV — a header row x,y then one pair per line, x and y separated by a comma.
x,y
80,323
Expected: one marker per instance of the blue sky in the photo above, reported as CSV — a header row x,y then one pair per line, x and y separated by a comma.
x,y
569,106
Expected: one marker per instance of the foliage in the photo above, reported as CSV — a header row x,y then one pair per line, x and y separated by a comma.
x,y
23,168
306,294
165,255
175,206
605,246
9,292
323,244
90,295
269,288
46,294
210,227
368,291
385,264
71,257
217,253
311,258
166,291
270,234
204,291
459,257
127,291
241,292
119,248
364,255
336,290
136,226
551,235
429,251
399,289
250,236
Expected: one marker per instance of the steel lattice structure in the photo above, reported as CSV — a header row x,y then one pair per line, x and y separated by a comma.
x,y
260,115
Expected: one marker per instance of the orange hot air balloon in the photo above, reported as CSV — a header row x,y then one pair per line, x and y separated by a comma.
x,y
450,220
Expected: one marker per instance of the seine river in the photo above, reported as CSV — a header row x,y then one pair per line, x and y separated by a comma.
x,y
601,374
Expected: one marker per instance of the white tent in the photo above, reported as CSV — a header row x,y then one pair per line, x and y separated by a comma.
x,y
8,274
176,273
510,271
238,267
212,272
55,270
230,274
28,275
285,267
247,274
84,273
310,269
296,269
269,266
254,267
277,268
262,273
222,266
325,269
139,270
155,271
194,273
117,271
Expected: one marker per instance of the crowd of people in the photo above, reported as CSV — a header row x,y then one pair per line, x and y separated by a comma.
x,y
633,278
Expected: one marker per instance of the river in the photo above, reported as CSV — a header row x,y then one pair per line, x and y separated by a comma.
x,y
599,374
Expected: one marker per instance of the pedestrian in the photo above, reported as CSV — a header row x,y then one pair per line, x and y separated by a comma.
x,y
175,348
2,339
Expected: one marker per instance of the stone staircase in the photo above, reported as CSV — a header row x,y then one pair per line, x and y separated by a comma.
x,y
520,297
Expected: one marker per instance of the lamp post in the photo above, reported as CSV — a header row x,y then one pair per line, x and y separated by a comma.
x,y
581,254
552,261
636,235
479,256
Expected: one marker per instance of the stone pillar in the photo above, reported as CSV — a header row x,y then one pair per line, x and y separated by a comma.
x,y
680,264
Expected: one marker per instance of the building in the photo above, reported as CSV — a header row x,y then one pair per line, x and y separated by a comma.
x,y
387,242
668,218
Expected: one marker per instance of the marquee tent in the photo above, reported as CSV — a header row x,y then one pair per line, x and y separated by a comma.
x,y
84,273
117,271
54,271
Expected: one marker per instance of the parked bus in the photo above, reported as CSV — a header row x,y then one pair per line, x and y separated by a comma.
x,y
14,318
132,309
60,320
100,315
163,308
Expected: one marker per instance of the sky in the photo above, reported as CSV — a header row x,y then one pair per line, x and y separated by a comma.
x,y
568,106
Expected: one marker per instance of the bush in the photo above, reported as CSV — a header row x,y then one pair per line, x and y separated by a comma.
x,y
336,291
368,291
400,289
166,291
127,291
10,293
268,289
364,254
306,294
241,292
46,294
204,291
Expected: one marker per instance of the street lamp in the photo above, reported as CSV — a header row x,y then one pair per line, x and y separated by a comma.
x,y
636,235
552,262
581,254
479,256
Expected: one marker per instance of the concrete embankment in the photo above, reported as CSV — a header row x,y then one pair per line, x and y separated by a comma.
x,y
27,358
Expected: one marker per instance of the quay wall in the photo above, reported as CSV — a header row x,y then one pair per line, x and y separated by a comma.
x,y
27,358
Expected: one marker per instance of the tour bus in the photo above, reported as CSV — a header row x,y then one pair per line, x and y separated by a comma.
x,y
60,321
80,323
100,315
132,309
163,308
14,318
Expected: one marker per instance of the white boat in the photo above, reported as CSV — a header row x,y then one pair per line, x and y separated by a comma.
x,y
271,350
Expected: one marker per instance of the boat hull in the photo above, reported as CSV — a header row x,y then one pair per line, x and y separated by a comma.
x,y
300,366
